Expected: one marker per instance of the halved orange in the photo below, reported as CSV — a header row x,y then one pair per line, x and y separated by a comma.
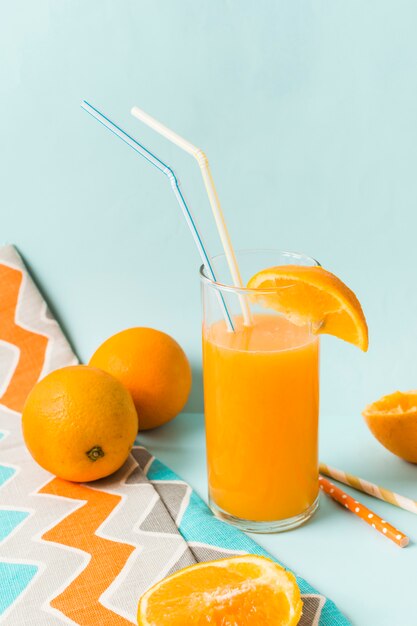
x,y
247,590
393,421
313,295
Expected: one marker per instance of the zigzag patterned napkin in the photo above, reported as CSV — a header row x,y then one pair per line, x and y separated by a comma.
x,y
83,554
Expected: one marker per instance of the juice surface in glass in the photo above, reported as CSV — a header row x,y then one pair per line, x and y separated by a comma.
x,y
261,396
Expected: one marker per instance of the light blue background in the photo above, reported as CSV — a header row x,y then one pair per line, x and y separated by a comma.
x,y
307,111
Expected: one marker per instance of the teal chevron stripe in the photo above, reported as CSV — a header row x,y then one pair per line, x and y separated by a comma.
x,y
9,520
5,473
199,524
14,578
159,471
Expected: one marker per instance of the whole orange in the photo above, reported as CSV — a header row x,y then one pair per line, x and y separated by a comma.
x,y
153,367
79,423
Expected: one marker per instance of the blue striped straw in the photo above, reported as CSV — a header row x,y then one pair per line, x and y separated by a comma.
x,y
175,185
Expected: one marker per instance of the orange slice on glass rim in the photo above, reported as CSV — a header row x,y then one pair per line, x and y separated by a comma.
x,y
313,295
247,590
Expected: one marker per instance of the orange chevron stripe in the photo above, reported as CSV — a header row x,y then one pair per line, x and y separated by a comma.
x,y
32,345
80,600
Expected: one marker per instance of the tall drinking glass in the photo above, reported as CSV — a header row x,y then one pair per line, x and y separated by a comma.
x,y
261,397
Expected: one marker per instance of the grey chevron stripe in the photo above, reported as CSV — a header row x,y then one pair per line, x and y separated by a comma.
x,y
142,458
164,514
185,560
312,607
199,554
172,495
48,314
207,553
159,520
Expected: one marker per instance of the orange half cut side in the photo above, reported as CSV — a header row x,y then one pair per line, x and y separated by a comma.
x,y
393,421
246,590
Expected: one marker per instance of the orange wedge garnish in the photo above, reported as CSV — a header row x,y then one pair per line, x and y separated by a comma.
x,y
393,421
246,590
313,295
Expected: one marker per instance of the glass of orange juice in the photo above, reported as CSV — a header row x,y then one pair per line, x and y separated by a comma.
x,y
261,402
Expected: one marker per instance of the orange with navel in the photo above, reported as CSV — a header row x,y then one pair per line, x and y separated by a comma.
x,y
79,423
154,369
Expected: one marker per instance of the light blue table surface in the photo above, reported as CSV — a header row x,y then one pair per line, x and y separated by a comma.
x,y
371,580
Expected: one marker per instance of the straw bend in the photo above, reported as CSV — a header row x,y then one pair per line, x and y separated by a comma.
x,y
213,197
175,185
202,158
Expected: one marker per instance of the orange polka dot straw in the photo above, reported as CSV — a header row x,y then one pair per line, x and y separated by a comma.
x,y
363,512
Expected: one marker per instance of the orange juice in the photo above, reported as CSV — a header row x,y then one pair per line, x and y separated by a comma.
x,y
261,396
